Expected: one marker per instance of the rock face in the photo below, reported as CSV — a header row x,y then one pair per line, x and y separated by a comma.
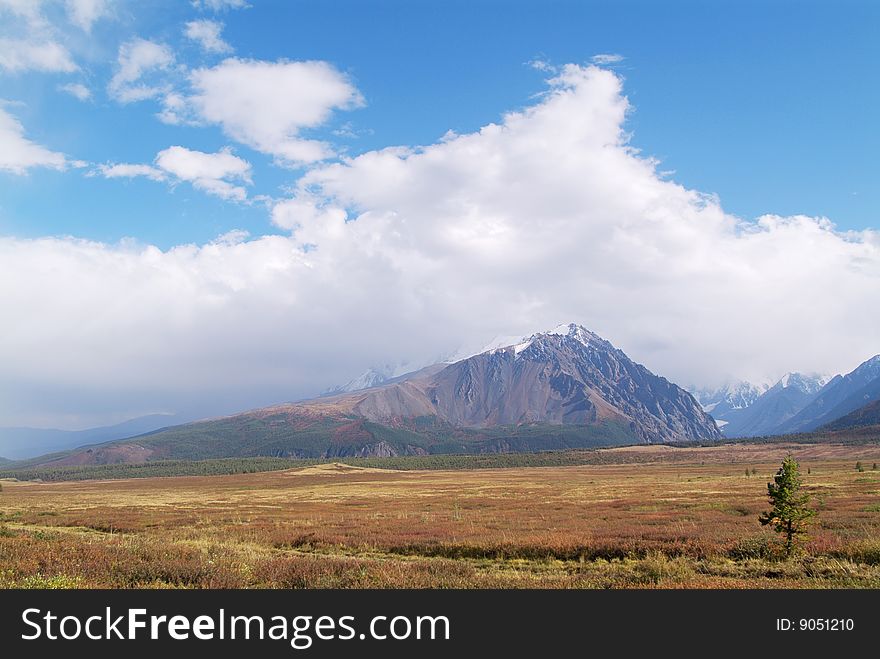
x,y
566,376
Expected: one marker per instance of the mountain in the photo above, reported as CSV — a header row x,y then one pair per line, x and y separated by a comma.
x,y
775,406
869,415
731,397
564,388
372,377
23,443
842,395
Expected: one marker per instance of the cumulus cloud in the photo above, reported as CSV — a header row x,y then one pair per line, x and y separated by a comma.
x,y
77,90
217,173
19,154
211,172
411,253
267,105
138,59
207,34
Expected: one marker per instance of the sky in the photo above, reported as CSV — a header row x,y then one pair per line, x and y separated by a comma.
x,y
214,205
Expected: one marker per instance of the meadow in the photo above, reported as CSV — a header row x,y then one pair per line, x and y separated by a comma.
x,y
636,517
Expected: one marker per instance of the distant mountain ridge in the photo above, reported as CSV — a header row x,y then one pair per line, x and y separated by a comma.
x,y
19,443
563,388
775,406
801,403
723,401
842,395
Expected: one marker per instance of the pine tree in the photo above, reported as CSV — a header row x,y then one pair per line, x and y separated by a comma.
x,y
791,511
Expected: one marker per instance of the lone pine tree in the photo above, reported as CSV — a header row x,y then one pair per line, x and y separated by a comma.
x,y
791,511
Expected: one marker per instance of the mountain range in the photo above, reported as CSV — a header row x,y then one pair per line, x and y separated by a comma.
x,y
800,403
563,388
727,399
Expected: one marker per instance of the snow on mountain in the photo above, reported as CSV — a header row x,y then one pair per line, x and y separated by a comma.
x,y
809,383
738,395
780,403
372,377
840,396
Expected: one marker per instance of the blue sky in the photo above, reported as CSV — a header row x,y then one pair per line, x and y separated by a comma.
x,y
769,105
219,204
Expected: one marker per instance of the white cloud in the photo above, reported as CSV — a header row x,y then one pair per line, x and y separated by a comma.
x,y
84,13
210,172
129,170
29,41
220,5
304,211
207,34
17,55
266,105
604,59
138,58
27,9
219,173
407,253
18,154
77,90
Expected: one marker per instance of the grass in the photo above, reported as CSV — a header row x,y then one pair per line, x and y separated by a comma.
x,y
638,517
229,466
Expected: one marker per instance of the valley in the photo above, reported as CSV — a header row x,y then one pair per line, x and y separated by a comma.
x,y
631,517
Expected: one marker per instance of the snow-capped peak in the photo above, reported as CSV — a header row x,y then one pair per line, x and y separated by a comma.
x,y
872,365
519,343
574,331
372,377
809,383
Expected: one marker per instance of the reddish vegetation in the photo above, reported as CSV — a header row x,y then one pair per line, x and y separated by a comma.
x,y
656,521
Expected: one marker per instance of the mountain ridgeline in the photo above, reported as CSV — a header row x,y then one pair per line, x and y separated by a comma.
x,y
566,388
801,403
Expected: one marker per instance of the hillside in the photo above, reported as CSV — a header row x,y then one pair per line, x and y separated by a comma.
x,y
566,388
866,416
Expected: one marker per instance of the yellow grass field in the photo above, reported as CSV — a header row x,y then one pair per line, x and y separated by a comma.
x,y
666,517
